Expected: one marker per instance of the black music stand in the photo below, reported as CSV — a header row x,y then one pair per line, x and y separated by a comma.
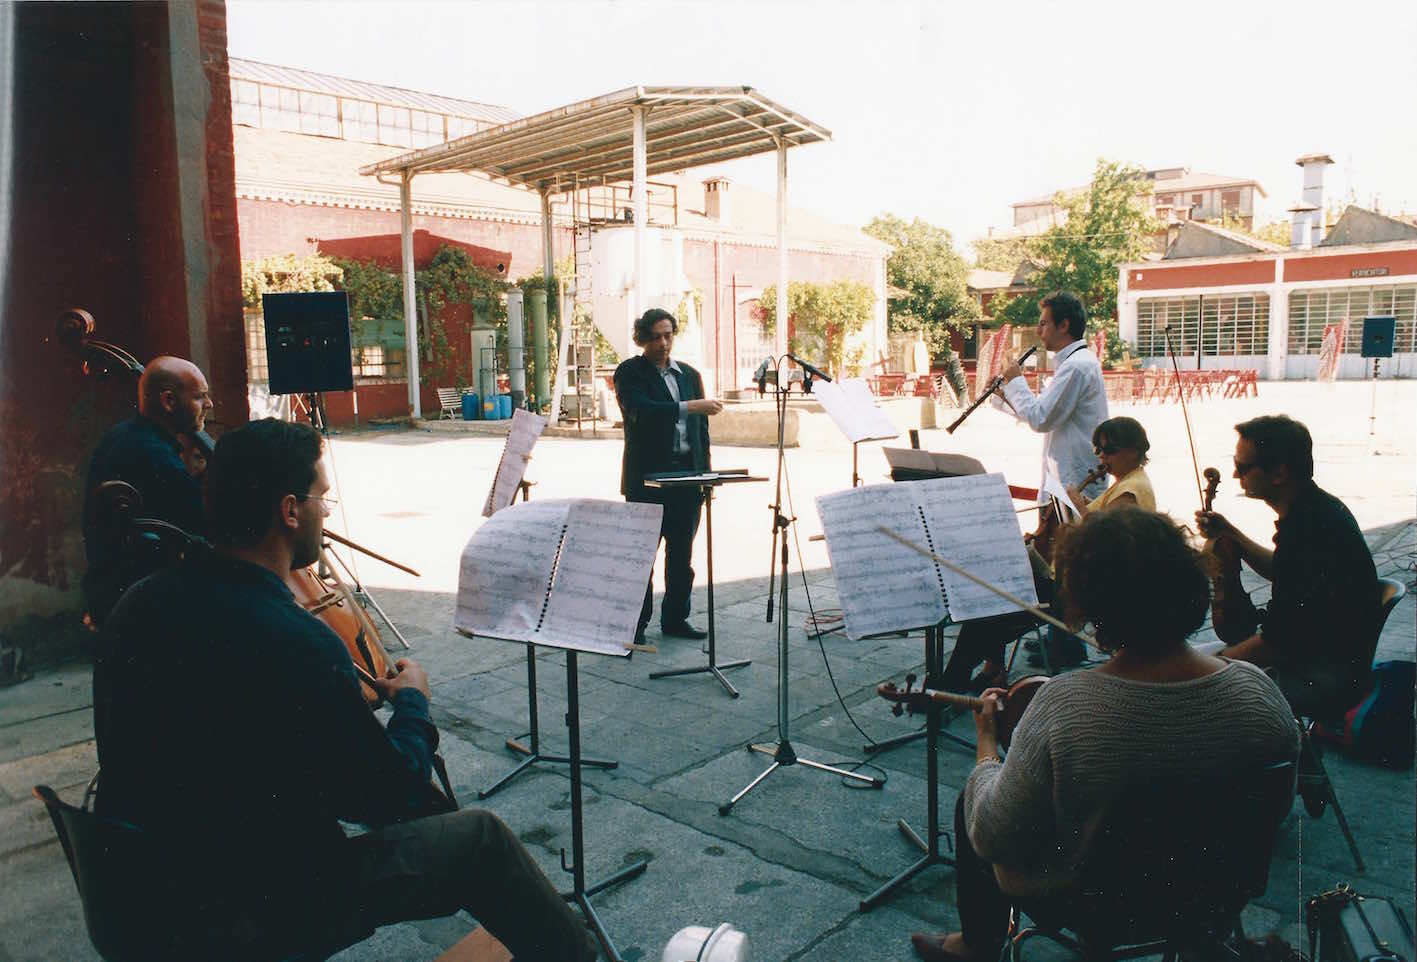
x,y
705,482
580,893
930,844
533,752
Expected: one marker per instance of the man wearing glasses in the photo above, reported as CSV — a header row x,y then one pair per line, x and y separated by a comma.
x,y
1319,630
232,729
152,451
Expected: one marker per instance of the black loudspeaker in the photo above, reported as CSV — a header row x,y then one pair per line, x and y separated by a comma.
x,y
307,342
1378,333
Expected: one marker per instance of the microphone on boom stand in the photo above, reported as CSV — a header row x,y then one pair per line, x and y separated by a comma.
x,y
994,386
811,369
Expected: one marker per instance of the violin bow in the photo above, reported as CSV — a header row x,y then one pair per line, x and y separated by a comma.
x,y
965,573
1181,396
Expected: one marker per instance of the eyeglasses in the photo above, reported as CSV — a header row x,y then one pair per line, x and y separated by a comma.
x,y
1245,467
329,503
1101,449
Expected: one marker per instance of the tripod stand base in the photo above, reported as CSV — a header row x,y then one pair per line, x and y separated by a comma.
x,y
716,669
532,757
931,858
582,901
782,755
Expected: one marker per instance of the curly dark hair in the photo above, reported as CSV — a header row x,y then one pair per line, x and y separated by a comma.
x,y
644,324
1066,306
252,468
1135,576
1123,432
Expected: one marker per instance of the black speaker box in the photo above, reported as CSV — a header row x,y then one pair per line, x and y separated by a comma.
x,y
307,342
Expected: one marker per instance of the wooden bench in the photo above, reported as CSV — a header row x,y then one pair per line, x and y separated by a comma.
x,y
451,400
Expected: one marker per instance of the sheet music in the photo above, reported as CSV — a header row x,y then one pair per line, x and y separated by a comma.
x,y
506,569
972,523
883,586
1052,486
600,580
852,408
526,428
916,459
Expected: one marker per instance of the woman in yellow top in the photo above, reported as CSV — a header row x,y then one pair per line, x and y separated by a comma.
x,y
1120,445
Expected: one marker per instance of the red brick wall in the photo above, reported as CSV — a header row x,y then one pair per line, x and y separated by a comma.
x,y
1202,275
1342,266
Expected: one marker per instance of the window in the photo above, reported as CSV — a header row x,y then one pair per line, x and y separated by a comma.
x,y
1164,199
427,128
361,121
1230,203
1227,325
257,371
1311,310
319,114
1197,200
245,103
393,126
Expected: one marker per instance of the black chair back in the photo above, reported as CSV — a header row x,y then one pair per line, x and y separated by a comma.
x,y
1180,859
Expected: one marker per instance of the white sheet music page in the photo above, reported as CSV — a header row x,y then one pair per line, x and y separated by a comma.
x,y
853,410
972,523
521,438
601,575
506,569
883,585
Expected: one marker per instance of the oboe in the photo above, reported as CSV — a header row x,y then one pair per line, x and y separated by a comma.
x,y
994,385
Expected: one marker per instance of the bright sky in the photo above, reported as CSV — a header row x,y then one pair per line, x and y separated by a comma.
x,y
946,111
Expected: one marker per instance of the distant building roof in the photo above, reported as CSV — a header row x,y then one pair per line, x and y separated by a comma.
x,y
379,93
1361,226
1182,181
1194,239
982,280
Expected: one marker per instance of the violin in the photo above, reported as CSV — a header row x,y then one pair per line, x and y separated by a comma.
x,y
1019,696
1232,614
1050,519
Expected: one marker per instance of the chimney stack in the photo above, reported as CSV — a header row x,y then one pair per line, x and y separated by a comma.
x,y
716,201
1313,200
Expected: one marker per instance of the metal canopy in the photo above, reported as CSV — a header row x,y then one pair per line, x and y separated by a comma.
x,y
593,141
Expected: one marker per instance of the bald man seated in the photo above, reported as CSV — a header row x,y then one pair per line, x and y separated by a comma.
x,y
150,452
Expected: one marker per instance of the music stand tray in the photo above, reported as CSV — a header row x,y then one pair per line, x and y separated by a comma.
x,y
705,482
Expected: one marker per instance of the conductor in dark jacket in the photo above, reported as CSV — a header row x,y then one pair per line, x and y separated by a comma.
x,y
666,429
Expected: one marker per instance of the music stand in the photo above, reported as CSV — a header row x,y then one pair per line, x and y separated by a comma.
x,y
705,482
930,844
853,410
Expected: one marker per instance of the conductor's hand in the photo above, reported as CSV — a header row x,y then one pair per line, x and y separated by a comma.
x,y
704,405
1214,525
1011,372
986,719
410,675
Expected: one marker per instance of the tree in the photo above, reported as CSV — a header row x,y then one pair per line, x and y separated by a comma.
x,y
824,315
1275,233
925,266
1000,253
1103,227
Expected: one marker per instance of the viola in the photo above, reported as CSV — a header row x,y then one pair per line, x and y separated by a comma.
x,y
1050,519
1015,701
1232,614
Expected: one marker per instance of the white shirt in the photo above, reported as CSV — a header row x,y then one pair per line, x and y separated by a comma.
x,y
681,428
1067,412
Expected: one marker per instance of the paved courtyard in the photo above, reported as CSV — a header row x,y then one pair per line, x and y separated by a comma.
x,y
791,862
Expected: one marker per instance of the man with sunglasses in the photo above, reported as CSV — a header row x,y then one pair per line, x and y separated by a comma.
x,y
232,730
1319,630
148,451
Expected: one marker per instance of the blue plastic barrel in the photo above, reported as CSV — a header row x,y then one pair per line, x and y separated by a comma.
x,y
470,407
504,406
491,410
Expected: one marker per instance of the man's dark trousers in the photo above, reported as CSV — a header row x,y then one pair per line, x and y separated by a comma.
x,y
677,529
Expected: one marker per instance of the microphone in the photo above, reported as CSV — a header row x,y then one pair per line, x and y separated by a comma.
x,y
811,369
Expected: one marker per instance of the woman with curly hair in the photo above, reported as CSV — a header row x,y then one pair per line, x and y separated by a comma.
x,y
1158,708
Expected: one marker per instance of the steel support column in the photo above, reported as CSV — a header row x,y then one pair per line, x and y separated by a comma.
x,y
410,309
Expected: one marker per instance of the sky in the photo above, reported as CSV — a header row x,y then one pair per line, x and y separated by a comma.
x,y
945,111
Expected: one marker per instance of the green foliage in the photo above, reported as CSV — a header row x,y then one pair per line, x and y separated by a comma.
x,y
926,267
1275,233
286,274
1000,253
1104,227
823,315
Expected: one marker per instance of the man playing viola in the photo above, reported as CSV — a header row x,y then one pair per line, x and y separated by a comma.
x,y
231,728
1319,631
146,451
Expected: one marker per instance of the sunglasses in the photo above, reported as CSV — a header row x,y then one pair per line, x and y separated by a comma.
x,y
1245,467
1108,449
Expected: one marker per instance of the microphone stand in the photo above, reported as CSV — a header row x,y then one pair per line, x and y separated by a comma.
x,y
783,753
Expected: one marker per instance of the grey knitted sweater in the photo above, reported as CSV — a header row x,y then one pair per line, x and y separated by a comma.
x,y
1087,736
